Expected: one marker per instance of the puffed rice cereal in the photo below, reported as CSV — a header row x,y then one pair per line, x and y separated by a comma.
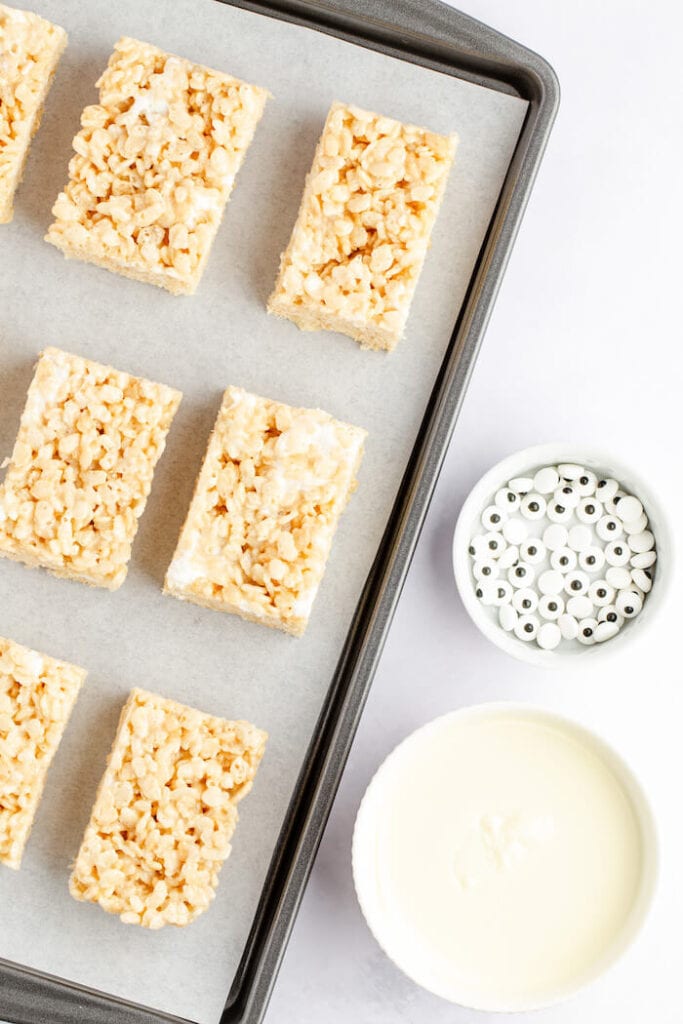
x,y
364,227
274,483
165,812
155,163
30,48
82,467
37,694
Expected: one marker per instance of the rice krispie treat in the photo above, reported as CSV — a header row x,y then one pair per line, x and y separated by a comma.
x,y
155,163
30,48
37,694
165,812
364,227
266,505
82,467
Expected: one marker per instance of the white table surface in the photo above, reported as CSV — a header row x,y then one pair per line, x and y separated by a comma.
x,y
584,344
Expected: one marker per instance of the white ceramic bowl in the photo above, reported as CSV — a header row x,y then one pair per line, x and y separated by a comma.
x,y
365,846
525,463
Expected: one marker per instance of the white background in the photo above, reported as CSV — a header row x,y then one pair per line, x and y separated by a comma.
x,y
584,344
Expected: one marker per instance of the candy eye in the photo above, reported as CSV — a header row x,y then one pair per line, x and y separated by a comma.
x,y
629,604
533,505
589,510
551,606
502,593
617,552
591,559
558,512
532,550
507,499
567,495
586,484
576,583
521,575
525,601
495,544
486,569
606,489
492,518
609,528
564,560
527,627
610,614
601,593
587,628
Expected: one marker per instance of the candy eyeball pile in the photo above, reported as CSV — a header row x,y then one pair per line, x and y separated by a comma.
x,y
563,556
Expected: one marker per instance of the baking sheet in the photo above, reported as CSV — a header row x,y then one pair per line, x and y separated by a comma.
x,y
222,335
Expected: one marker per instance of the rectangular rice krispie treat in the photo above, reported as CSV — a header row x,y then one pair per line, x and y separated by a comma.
x,y
273,485
165,812
155,163
37,694
82,467
364,227
30,48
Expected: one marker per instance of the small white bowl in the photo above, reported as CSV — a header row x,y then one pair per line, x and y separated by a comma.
x,y
525,463
364,861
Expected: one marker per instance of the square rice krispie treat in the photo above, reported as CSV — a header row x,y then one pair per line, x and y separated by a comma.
x,y
82,467
274,483
37,694
155,163
364,227
165,812
30,48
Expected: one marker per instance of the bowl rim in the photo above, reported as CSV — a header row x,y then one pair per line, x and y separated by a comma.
x,y
550,453
628,780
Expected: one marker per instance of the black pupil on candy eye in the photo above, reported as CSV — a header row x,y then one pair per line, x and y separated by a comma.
x,y
611,525
617,499
584,480
528,628
566,490
564,560
486,571
612,617
629,610
602,483
531,550
588,631
511,496
590,509
552,607
590,560
471,550
618,551
493,544
533,506
576,584
520,572
501,593
479,593
526,603
602,592
495,518
559,509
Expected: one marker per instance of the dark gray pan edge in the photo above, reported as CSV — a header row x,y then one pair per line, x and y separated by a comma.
x,y
425,32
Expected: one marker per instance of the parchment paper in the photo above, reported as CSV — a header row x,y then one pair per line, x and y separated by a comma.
x,y
222,335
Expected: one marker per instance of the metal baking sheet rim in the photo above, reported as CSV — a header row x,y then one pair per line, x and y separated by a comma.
x,y
441,38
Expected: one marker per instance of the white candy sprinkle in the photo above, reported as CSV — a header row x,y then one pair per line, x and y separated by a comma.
x,y
580,607
549,636
555,537
580,538
568,627
642,579
515,530
550,582
587,628
636,525
644,560
564,560
525,601
641,542
521,484
629,508
546,480
617,552
570,470
527,627
618,577
605,631
533,505
509,557
507,617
